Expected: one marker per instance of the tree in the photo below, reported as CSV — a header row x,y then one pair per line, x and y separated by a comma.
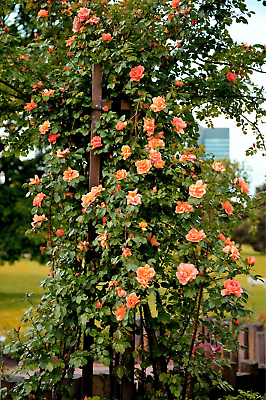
x,y
136,208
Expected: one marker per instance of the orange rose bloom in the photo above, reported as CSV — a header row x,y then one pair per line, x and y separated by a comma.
x,y
62,154
251,260
47,92
83,14
175,3
179,125
103,239
227,206
120,125
121,292
121,174
136,73
218,167
70,174
232,287
143,225
244,186
152,239
198,189
30,106
44,127
35,181
132,300
126,252
231,77
145,275
158,104
159,164
126,152
90,197
231,250
149,126
133,198
52,137
183,206
96,141
107,36
120,312
195,236
178,83
37,201
221,237
43,13
143,166
186,273
155,142
37,219
187,157
155,156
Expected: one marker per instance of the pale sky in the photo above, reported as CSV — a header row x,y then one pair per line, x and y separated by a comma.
x,y
253,33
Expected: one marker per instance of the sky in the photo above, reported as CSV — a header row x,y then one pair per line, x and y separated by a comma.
x,y
253,33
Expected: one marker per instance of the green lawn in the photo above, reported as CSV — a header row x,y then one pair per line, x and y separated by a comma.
x,y
17,279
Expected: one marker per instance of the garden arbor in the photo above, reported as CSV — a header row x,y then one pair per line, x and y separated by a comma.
x,y
136,217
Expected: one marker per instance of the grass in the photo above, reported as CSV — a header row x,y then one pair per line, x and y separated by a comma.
x,y
15,280
25,276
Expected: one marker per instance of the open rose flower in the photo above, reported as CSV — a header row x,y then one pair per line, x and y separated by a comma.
x,y
52,137
91,196
125,152
145,275
218,167
187,157
120,312
83,14
44,127
175,3
133,198
183,206
37,201
228,208
30,106
76,26
107,36
35,181
195,236
121,125
232,287
62,154
136,73
198,189
158,104
179,125
143,166
143,225
231,250
132,300
126,252
149,126
186,273
155,156
70,174
121,292
155,143
231,77
43,13
121,174
38,218
96,141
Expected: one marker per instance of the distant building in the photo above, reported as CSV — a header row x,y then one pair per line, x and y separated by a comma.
x,y
216,141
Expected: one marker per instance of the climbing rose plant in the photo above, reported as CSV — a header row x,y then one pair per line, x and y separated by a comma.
x,y
152,239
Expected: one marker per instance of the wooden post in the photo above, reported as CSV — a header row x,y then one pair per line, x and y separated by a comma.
x,y
243,341
252,339
261,347
251,367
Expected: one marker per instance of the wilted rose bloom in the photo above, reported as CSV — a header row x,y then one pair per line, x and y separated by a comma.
x,y
231,77
70,174
125,152
221,237
143,166
126,252
132,300
149,126
37,219
158,104
136,73
47,92
121,292
121,125
43,13
232,287
30,106
252,260
195,236
228,208
179,125
143,225
35,181
183,206
52,137
218,167
44,127
59,232
187,157
159,164
133,198
155,156
61,154
103,239
152,239
145,275
107,36
83,14
198,189
231,250
121,174
120,312
37,201
69,41
96,141
210,350
244,187
94,19
186,273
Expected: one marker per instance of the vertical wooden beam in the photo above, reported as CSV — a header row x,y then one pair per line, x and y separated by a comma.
x,y
253,328
94,177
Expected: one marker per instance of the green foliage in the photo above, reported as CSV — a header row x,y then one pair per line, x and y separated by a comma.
x,y
244,396
113,245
